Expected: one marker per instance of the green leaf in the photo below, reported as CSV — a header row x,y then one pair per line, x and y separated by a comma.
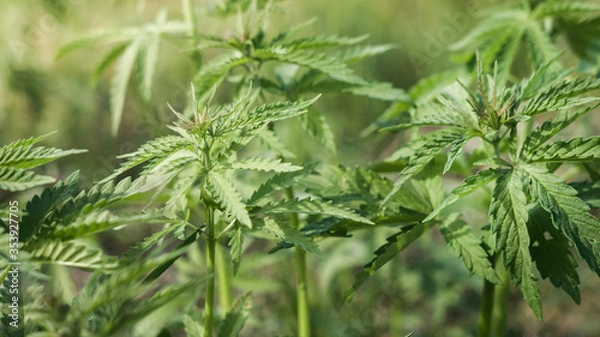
x,y
458,235
228,197
266,165
237,247
192,327
589,192
285,232
563,8
315,207
569,213
430,147
357,53
509,225
261,116
550,128
324,63
276,183
472,183
557,93
120,80
395,244
321,41
149,56
18,180
316,125
71,254
551,252
236,317
100,221
576,149
39,208
23,155
213,73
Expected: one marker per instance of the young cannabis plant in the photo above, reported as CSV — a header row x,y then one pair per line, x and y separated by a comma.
x,y
534,214
196,169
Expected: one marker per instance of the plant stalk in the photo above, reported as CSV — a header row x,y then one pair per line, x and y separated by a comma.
x,y
487,305
209,304
501,305
301,280
224,277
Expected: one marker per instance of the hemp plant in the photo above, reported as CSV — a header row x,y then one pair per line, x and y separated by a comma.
x,y
534,214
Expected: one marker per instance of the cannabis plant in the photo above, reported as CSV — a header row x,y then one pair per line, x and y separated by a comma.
x,y
534,214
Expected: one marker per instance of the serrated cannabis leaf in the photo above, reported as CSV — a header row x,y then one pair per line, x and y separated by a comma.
x,y
457,234
472,183
552,255
509,225
576,149
228,197
568,213
71,254
395,244
236,317
313,206
285,232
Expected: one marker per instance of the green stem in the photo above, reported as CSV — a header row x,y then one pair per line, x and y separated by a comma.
x,y
224,276
302,294
301,280
209,304
487,306
189,15
501,304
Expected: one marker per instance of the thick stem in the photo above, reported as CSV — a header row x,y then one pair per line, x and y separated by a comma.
x,y
487,305
301,280
189,15
224,277
501,305
209,304
302,294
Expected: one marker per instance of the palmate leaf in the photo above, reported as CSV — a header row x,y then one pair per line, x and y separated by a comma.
x,y
576,149
457,234
552,255
395,244
225,193
550,128
509,225
236,317
71,254
472,184
287,233
314,207
430,147
569,213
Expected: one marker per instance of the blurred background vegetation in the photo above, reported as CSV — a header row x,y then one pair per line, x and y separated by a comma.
x,y
426,290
